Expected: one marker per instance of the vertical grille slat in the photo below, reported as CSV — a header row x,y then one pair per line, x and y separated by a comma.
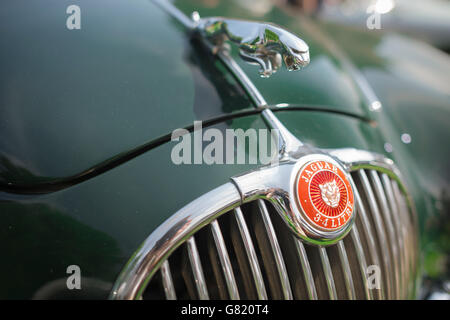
x,y
369,237
327,273
396,218
281,267
225,261
386,212
346,271
197,270
167,281
362,261
407,236
384,247
307,273
251,254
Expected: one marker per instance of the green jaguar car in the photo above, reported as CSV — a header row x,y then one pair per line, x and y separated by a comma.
x,y
219,150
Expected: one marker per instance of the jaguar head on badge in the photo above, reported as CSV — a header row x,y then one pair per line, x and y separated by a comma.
x,y
330,193
265,44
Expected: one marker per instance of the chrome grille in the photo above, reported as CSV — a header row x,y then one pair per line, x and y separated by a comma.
x,y
249,253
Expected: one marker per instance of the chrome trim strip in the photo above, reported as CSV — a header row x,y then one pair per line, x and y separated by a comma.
x,y
387,214
369,235
379,230
225,261
346,270
362,262
241,76
197,269
281,267
288,142
359,159
328,274
175,13
145,262
306,268
361,82
251,254
166,276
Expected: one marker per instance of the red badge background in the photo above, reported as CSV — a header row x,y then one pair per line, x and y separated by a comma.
x,y
310,196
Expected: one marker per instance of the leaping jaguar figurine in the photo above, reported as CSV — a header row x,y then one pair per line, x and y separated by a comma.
x,y
261,43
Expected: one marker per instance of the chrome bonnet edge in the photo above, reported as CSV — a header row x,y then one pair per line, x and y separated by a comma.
x,y
169,235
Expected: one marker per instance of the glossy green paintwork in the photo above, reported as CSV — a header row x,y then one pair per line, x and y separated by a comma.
x,y
72,99
98,224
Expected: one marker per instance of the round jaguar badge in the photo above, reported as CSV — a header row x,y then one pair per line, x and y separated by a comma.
x,y
324,196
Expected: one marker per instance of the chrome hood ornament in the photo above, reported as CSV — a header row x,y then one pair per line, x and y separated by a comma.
x,y
261,43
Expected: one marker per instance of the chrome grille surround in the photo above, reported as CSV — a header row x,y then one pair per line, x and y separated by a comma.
x,y
252,255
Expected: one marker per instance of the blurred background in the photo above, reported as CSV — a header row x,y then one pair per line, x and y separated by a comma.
x,y
428,20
